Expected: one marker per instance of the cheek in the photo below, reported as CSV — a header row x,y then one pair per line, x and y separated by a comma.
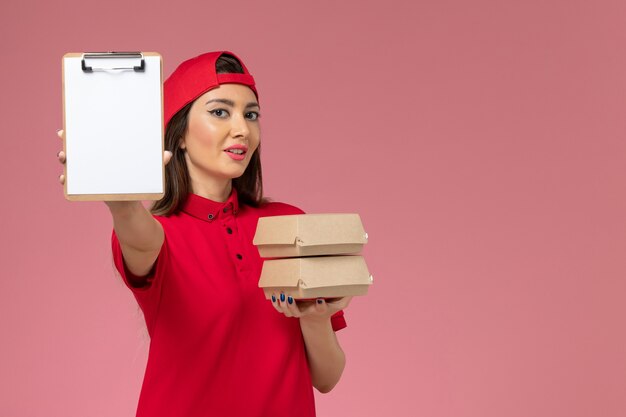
x,y
201,135
255,137
254,140
252,147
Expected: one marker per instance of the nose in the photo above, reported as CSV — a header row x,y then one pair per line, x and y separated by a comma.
x,y
239,126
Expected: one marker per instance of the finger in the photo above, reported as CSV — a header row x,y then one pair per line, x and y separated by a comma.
x,y
60,133
320,305
293,308
167,156
339,303
275,303
282,304
62,179
61,156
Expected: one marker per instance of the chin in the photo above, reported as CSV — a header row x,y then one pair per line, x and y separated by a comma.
x,y
235,174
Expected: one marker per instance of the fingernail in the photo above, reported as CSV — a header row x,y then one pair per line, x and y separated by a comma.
x,y
320,301
58,131
290,300
282,297
273,299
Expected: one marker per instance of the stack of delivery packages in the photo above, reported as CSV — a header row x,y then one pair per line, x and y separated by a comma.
x,y
310,256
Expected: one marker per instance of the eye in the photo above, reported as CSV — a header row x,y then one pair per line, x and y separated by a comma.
x,y
218,112
253,115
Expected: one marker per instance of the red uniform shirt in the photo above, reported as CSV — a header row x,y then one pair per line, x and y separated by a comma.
x,y
218,347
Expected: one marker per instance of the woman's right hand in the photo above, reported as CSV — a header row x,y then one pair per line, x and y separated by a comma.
x,y
167,155
61,156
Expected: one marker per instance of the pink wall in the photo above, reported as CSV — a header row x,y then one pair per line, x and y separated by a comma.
x,y
482,143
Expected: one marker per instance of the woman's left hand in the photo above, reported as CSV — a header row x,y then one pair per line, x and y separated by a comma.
x,y
319,309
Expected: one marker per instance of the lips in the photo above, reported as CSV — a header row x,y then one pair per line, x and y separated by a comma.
x,y
237,152
235,156
242,148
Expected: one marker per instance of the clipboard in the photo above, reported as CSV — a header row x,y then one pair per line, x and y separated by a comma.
x,y
113,126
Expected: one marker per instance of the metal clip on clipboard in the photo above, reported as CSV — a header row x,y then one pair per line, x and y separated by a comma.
x,y
116,55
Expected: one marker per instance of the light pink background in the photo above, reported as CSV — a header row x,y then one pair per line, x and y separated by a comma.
x,y
482,142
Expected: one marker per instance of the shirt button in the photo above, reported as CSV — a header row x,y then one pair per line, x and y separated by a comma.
x,y
210,216
225,209
229,230
239,256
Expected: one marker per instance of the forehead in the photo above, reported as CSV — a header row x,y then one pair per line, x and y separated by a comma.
x,y
239,93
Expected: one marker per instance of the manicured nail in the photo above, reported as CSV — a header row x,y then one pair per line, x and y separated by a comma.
x,y
290,300
320,301
273,298
282,297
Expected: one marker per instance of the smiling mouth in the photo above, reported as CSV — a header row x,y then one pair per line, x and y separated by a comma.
x,y
236,151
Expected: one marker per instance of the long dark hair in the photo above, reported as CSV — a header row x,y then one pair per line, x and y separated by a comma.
x,y
249,186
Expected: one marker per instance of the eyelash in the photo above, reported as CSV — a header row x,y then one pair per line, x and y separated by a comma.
x,y
224,110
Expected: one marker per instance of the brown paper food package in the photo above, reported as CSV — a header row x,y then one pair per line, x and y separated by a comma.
x,y
313,277
309,235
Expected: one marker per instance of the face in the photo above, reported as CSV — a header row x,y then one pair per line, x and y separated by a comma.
x,y
223,118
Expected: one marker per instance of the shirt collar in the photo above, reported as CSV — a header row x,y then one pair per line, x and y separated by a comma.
x,y
209,210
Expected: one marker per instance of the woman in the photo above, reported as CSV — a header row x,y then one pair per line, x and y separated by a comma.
x,y
218,348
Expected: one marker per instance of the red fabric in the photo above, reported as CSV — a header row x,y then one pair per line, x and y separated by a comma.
x,y
218,347
195,77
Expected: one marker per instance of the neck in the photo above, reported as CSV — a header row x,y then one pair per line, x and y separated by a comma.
x,y
216,190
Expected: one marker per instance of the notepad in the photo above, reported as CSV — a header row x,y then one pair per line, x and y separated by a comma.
x,y
113,126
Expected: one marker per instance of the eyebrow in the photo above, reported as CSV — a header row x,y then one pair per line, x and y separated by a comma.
x,y
231,103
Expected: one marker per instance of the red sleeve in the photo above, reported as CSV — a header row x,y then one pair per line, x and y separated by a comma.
x,y
147,289
131,280
338,321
